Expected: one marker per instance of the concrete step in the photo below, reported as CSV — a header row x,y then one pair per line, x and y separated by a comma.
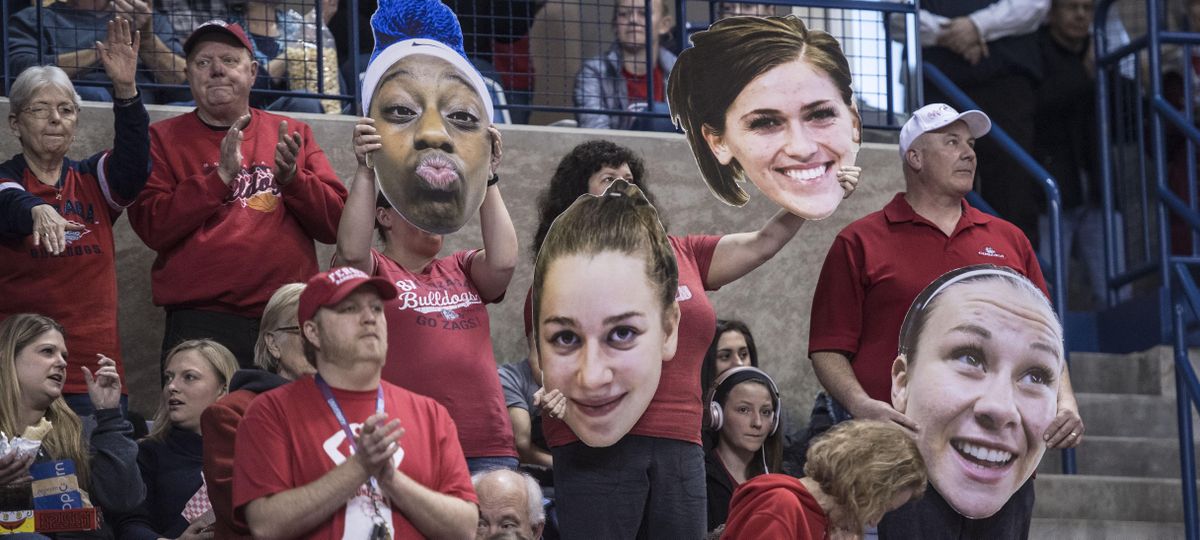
x,y
1120,456
1129,415
1078,529
1133,373
1101,498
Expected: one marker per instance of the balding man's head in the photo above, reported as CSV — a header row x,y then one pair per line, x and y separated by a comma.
x,y
510,506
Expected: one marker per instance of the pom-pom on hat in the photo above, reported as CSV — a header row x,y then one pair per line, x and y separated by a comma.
x,y
406,27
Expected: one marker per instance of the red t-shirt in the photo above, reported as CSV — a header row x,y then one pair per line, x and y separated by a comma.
x,y
635,85
440,345
879,264
774,507
226,248
290,438
77,288
675,412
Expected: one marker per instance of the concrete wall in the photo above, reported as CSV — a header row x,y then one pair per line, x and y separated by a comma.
x,y
773,300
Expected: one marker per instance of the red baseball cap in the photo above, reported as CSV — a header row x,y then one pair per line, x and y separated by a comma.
x,y
217,26
328,288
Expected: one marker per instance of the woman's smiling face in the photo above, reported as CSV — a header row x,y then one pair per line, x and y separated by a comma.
x,y
434,164
603,346
983,386
790,131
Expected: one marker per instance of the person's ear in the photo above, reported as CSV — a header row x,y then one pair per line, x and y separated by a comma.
x,y
383,217
671,329
12,124
856,123
716,144
310,332
912,157
253,68
537,530
900,375
272,347
497,149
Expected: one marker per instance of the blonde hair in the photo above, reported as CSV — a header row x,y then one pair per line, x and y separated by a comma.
x,y
862,465
65,440
281,307
219,358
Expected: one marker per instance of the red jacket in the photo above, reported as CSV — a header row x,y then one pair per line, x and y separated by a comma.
x,y
774,506
219,424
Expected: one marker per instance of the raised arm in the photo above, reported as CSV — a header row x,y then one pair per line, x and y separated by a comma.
x,y
127,166
358,218
492,268
737,254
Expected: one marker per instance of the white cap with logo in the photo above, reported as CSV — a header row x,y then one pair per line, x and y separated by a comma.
x,y
939,115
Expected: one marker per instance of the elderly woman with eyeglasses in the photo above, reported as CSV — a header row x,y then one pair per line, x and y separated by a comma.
x,y
57,214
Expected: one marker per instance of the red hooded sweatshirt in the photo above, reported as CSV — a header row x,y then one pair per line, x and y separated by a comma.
x,y
774,506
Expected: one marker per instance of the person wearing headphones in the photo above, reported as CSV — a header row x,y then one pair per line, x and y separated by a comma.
x,y
743,418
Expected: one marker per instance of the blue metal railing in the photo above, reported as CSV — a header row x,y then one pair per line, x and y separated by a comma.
x,y
1053,203
1179,288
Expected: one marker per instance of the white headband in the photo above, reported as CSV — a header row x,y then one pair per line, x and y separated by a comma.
x,y
401,49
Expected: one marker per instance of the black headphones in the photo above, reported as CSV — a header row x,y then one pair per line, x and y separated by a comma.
x,y
716,415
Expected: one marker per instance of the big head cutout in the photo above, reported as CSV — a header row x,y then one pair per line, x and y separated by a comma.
x,y
433,110
604,310
769,100
981,356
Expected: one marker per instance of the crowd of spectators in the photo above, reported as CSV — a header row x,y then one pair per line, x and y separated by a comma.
x,y
414,411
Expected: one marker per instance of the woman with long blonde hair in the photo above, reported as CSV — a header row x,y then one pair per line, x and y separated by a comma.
x,y
33,370
197,372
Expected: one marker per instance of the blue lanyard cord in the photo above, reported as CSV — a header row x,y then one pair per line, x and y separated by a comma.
x,y
327,393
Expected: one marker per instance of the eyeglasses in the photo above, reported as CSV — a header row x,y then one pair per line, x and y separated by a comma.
x,y
288,329
42,112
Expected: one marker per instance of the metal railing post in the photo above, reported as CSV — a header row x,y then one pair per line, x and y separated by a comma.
x,y
1187,451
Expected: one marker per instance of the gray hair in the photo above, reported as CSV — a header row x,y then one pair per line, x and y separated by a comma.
x,y
283,302
533,492
32,80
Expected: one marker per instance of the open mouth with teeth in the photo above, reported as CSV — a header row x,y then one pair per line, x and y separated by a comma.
x,y
173,403
985,464
58,377
807,174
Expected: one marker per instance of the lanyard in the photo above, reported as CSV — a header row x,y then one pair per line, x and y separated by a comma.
x,y
327,393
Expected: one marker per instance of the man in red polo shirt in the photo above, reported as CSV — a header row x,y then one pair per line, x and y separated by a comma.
x,y
878,264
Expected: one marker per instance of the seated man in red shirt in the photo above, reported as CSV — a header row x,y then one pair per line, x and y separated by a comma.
x,y
326,457
616,80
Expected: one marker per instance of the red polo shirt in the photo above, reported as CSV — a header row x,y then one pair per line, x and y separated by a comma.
x,y
880,263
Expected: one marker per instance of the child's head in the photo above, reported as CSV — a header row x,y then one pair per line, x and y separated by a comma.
x,y
605,316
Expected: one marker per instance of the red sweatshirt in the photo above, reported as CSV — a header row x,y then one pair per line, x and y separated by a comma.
x,y
226,248
774,507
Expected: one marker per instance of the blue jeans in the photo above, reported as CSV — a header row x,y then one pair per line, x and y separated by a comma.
x,y
641,487
484,464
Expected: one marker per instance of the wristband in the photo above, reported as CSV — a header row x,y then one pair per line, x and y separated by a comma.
x,y
495,179
127,102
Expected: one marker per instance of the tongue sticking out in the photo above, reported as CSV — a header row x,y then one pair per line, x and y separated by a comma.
x,y
437,175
